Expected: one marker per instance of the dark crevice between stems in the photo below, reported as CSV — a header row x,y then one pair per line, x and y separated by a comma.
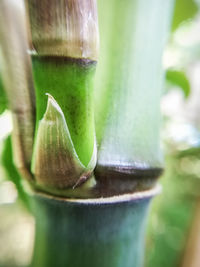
x,y
110,181
115,180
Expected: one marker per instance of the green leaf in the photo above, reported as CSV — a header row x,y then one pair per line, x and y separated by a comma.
x,y
184,10
179,78
3,100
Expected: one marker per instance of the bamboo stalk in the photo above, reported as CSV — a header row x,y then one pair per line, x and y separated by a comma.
x,y
103,231
68,29
129,106
65,38
17,80
93,232
129,83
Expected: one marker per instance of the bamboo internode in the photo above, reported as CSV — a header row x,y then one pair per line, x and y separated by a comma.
x,y
69,28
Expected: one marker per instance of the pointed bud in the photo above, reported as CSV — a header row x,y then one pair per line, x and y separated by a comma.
x,y
55,161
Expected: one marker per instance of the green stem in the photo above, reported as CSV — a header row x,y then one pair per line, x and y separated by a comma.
x,y
99,233
17,82
65,39
128,85
69,81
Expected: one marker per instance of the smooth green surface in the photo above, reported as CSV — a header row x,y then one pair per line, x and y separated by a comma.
x,y
129,81
89,235
70,83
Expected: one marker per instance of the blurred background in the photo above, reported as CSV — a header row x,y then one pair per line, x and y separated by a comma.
x,y
173,237
173,234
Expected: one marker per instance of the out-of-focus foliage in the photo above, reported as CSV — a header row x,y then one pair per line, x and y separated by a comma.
x,y
173,211
179,79
184,10
11,171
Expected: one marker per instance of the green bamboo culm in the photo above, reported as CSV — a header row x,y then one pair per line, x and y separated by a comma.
x,y
128,85
102,232
16,75
108,230
65,39
69,81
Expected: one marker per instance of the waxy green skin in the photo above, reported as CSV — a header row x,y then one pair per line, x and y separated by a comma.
x,y
129,83
94,234
70,82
